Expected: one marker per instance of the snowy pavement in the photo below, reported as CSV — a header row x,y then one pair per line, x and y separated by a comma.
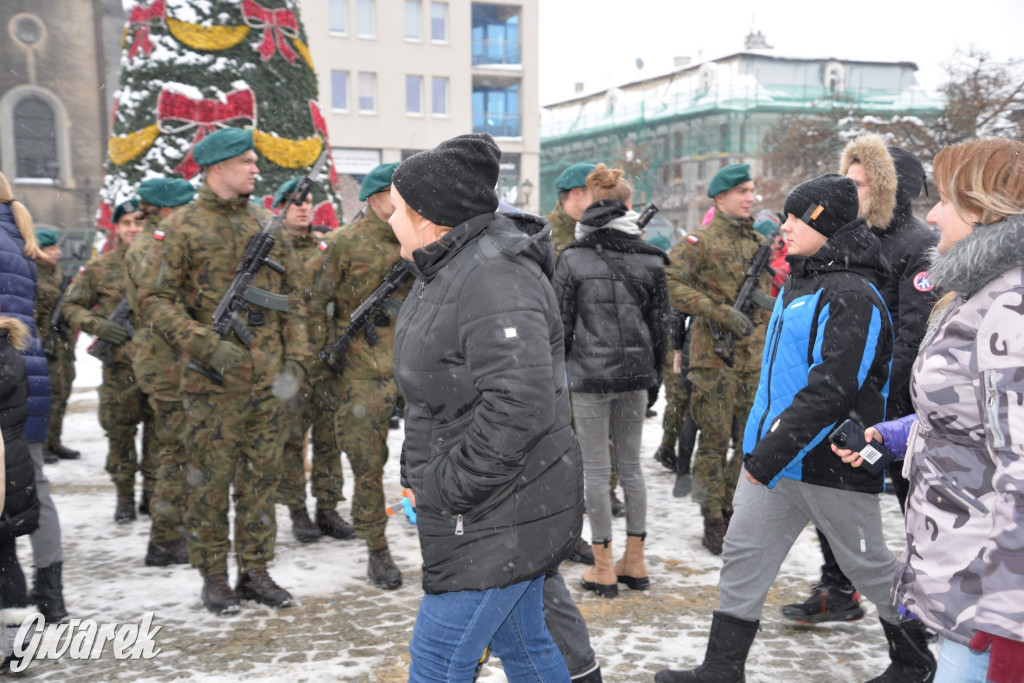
x,y
342,628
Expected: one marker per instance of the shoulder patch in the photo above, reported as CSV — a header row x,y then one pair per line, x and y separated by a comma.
x,y
159,235
81,269
322,246
692,239
922,283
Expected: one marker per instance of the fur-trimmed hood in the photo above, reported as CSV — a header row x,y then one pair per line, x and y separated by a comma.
x,y
978,258
870,152
18,331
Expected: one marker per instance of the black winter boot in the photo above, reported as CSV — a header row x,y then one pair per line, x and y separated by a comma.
x,y
217,594
47,593
125,510
666,455
912,661
147,498
303,528
334,525
726,655
164,554
381,569
590,676
256,584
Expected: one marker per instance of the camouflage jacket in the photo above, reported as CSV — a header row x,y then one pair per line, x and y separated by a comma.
x,y
202,245
156,363
563,228
352,265
96,291
963,567
707,269
50,278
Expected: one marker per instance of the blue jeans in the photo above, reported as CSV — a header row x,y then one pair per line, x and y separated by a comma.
x,y
960,664
453,629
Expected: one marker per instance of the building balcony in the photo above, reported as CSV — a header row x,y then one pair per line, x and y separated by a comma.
x,y
498,125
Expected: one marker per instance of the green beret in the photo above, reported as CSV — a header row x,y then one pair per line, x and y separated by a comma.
x,y
221,145
166,192
766,226
377,180
574,176
46,237
661,242
130,206
286,188
727,178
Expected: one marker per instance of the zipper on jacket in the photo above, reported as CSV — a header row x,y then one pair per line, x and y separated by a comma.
x,y
771,362
458,525
423,287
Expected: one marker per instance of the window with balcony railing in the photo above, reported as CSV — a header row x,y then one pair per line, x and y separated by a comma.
x,y
496,111
496,34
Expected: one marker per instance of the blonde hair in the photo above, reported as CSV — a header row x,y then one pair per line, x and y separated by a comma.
x,y
20,337
984,177
22,219
608,183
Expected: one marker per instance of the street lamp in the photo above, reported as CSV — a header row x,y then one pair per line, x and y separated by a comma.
x,y
525,188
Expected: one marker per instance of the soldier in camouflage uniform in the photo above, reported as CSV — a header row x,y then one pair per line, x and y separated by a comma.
x,y
314,407
98,288
707,270
573,200
353,265
235,429
157,366
61,362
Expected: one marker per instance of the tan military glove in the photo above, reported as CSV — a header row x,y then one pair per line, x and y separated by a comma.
x,y
226,357
734,321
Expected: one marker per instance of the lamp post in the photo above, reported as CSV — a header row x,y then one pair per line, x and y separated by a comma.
x,y
525,189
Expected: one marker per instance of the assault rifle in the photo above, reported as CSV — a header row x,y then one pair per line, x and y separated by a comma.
x,y
365,318
103,349
748,297
58,324
241,290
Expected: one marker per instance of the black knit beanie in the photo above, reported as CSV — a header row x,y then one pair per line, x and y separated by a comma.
x,y
453,182
910,175
825,203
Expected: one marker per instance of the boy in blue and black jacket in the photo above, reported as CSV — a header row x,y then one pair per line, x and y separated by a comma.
x,y
826,359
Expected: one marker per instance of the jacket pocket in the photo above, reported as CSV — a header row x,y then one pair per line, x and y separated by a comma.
x,y
943,489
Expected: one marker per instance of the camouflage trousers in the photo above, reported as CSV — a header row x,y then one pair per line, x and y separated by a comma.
x,y
361,424
123,406
232,439
170,498
718,399
62,374
316,407
677,400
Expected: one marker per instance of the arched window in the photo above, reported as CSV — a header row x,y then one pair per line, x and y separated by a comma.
x,y
35,139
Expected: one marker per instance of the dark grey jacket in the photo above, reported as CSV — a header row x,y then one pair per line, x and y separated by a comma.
x,y
613,299
488,449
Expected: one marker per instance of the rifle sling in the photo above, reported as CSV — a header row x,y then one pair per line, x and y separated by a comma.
x,y
265,299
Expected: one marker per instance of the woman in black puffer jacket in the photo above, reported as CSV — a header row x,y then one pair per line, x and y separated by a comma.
x,y
21,506
615,311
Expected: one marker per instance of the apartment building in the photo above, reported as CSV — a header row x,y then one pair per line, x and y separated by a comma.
x,y
399,76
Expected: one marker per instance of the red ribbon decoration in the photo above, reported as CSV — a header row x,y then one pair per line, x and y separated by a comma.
x,y
276,24
176,113
320,126
140,18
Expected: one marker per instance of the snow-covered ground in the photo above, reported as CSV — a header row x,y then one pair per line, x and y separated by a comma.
x,y
342,628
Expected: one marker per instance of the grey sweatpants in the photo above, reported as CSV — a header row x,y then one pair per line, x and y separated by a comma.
x,y
45,539
566,625
766,523
621,415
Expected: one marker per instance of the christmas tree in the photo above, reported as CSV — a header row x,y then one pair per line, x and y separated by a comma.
x,y
189,68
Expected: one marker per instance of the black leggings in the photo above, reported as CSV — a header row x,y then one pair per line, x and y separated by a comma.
x,y
13,592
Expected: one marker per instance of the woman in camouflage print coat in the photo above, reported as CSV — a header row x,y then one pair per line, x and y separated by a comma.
x,y
962,572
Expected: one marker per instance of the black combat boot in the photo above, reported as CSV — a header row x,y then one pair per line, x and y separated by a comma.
x,y
582,553
726,656
666,455
911,660
65,453
303,528
827,603
257,585
164,554
125,510
48,593
381,569
334,525
147,498
49,457
714,534
217,594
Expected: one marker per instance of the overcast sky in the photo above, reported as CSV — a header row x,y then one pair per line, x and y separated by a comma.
x,y
598,41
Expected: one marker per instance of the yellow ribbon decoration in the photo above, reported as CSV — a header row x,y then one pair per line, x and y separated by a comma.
x,y
124,148
303,50
206,38
285,152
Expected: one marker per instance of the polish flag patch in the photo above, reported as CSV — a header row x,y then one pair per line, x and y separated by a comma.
x,y
159,235
81,269
922,283
692,239
322,246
